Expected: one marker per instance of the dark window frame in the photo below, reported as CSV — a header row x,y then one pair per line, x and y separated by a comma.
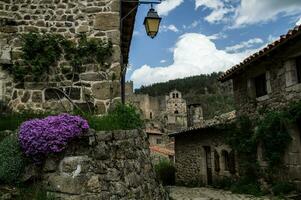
x,y
298,68
158,141
260,83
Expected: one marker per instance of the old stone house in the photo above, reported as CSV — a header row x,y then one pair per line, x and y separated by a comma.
x,y
267,80
201,155
271,80
95,87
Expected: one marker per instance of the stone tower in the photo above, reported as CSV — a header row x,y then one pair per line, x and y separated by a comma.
x,y
176,111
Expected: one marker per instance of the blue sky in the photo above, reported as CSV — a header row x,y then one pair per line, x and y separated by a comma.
x,y
203,36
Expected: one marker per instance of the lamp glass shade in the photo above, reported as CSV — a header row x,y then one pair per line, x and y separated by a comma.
x,y
152,23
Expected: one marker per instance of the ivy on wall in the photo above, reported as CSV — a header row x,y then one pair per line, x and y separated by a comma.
x,y
271,133
43,51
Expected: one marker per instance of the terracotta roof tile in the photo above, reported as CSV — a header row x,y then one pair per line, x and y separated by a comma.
x,y
162,150
270,47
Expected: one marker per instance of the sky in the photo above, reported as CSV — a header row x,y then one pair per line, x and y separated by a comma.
x,y
205,36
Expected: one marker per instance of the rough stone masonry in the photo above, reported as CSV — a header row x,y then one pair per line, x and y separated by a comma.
x,y
92,88
104,165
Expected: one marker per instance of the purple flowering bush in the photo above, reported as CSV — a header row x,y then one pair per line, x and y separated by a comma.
x,y
40,137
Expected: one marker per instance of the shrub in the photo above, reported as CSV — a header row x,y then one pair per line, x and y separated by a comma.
x,y
41,137
12,161
165,172
283,188
12,121
246,186
122,117
224,183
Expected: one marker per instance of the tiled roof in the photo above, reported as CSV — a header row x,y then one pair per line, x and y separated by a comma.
x,y
225,118
291,34
162,150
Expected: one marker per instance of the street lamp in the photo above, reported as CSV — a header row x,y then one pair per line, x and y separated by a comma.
x,y
152,23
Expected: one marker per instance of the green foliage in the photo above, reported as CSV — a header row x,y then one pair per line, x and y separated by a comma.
x,y
224,183
33,192
12,162
273,135
165,172
240,137
122,117
245,186
42,51
87,51
282,188
12,121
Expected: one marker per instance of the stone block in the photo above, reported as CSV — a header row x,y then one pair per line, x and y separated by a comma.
x,y
73,93
53,94
107,21
37,97
26,96
114,36
104,136
86,107
66,184
82,29
92,76
100,107
115,6
106,90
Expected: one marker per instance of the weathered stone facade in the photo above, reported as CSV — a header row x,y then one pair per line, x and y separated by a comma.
x,y
279,85
96,86
104,165
201,158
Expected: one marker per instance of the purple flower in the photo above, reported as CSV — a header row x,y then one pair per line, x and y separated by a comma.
x,y
40,137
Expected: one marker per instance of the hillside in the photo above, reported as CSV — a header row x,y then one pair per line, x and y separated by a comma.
x,y
216,100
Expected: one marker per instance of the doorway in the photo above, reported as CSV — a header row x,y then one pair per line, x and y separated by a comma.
x,y
208,164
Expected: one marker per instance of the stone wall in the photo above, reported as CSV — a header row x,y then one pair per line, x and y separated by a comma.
x,y
283,88
104,165
280,87
190,161
95,87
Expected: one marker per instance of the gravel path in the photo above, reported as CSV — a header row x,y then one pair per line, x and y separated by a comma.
x,y
183,193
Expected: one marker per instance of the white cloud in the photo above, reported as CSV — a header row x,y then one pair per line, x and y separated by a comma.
x,y
194,54
168,5
219,9
217,36
162,61
298,23
170,27
244,45
255,11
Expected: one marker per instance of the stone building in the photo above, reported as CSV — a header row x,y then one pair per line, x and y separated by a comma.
x,y
201,155
270,80
95,87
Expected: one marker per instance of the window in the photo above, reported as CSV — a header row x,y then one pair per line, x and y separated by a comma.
x,y
260,85
176,112
226,160
151,115
173,95
298,67
177,95
217,167
159,141
232,162
176,105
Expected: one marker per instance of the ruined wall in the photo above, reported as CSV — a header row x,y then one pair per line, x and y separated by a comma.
x,y
190,160
94,86
105,165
